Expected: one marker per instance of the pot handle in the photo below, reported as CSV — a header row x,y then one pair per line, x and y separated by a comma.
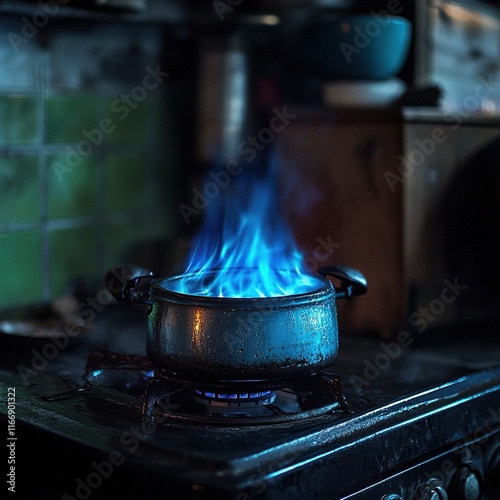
x,y
122,280
352,281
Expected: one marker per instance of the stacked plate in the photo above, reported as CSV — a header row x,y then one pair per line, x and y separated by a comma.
x,y
363,93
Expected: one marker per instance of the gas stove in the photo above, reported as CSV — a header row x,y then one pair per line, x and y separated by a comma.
x,y
96,419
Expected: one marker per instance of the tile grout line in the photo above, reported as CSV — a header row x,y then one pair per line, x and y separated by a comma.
x,y
101,154
74,222
55,148
42,84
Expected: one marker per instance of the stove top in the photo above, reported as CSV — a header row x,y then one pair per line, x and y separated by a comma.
x,y
93,419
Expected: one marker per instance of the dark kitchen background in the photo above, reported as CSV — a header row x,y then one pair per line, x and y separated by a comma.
x,y
95,167
112,115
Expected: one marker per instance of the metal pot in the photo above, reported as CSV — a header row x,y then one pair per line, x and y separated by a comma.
x,y
236,339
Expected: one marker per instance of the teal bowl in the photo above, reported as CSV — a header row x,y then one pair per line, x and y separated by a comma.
x,y
357,46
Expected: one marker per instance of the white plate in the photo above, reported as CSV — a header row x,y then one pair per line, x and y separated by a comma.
x,y
356,93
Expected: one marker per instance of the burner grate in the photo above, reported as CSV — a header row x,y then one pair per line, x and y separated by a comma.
x,y
130,380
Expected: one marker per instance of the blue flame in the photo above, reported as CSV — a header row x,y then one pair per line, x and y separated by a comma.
x,y
237,395
244,247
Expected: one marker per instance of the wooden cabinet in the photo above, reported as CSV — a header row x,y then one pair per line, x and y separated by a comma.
x,y
334,169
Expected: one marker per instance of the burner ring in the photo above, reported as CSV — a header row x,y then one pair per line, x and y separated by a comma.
x,y
236,400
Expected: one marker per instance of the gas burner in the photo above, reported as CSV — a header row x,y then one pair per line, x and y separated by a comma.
x,y
131,380
234,401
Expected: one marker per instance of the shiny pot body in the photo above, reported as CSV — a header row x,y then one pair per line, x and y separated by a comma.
x,y
235,339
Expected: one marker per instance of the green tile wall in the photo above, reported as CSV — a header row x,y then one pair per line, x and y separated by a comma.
x,y
72,118
19,120
19,189
21,268
128,123
71,191
85,176
71,209
126,182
